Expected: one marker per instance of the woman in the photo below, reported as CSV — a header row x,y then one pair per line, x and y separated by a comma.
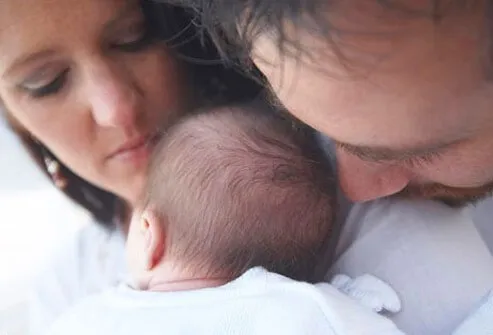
x,y
88,100
88,85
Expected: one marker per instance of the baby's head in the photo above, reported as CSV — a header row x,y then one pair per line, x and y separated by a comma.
x,y
230,189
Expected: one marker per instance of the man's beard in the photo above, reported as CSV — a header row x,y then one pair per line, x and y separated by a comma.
x,y
451,196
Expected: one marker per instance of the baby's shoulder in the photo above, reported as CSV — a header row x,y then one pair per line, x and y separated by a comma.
x,y
346,304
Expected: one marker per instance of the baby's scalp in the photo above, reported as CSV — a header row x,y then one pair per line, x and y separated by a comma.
x,y
243,186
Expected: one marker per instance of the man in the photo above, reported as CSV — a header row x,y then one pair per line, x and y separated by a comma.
x,y
403,88
405,91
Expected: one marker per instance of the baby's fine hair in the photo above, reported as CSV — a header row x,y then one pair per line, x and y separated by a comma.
x,y
243,186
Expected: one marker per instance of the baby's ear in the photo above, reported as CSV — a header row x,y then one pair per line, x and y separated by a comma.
x,y
154,232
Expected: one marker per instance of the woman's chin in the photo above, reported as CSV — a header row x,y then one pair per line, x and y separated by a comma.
x,y
129,184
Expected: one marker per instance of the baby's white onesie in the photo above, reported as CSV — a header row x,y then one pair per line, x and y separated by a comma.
x,y
258,302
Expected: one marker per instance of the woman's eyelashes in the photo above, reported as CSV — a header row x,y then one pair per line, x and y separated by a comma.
x,y
134,39
42,88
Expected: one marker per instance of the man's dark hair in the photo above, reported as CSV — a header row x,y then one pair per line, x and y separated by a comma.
x,y
238,187
234,24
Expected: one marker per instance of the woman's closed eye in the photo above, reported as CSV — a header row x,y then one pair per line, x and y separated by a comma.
x,y
133,38
39,86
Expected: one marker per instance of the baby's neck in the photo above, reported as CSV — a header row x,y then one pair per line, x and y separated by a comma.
x,y
167,278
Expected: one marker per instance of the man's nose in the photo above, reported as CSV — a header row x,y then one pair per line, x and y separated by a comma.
x,y
362,181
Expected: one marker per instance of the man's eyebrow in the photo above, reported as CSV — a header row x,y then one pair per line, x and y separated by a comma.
x,y
381,153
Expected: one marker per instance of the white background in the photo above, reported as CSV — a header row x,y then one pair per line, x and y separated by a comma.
x,y
34,220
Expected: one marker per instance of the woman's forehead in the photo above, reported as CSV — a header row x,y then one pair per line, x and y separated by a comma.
x,y
32,26
43,11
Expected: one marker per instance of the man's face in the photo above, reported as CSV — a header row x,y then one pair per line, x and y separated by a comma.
x,y
406,98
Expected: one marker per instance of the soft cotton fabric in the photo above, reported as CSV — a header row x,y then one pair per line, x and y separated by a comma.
x,y
438,260
432,255
480,322
90,262
258,302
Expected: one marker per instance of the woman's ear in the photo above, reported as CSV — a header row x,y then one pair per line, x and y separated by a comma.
x,y
153,230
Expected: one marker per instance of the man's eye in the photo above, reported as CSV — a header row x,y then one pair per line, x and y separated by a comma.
x,y
424,159
411,161
42,89
357,153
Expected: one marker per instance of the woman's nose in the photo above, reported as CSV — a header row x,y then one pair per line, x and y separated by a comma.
x,y
114,97
363,181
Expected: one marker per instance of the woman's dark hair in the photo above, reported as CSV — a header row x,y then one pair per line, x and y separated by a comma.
x,y
212,81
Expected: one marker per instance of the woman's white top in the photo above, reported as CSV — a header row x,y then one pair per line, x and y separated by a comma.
x,y
91,261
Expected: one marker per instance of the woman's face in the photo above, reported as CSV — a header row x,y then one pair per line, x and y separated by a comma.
x,y
83,78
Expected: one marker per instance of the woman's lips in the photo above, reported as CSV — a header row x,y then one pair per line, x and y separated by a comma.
x,y
135,151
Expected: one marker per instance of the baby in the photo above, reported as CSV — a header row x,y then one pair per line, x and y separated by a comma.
x,y
238,200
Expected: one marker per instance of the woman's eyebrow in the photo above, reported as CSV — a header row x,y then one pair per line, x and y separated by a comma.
x,y
20,61
130,7
26,59
382,153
